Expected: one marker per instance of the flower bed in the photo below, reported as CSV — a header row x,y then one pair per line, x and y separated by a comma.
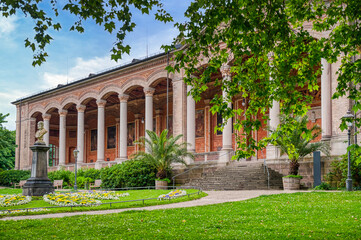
x,y
23,211
13,200
70,199
103,195
172,194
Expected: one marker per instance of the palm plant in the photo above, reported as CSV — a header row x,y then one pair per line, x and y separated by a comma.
x,y
296,141
162,151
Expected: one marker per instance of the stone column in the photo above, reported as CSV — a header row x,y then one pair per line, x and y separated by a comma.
x,y
148,109
326,102
123,128
101,133
80,133
179,107
207,127
272,152
46,118
137,120
226,153
158,121
62,137
191,121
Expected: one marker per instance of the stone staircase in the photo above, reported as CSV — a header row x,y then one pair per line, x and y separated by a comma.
x,y
235,176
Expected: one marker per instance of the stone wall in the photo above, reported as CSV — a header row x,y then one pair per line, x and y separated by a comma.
x,y
305,170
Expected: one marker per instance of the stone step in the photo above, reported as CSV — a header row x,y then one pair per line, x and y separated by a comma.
x,y
235,176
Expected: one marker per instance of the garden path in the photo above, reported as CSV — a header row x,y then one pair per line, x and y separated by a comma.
x,y
214,197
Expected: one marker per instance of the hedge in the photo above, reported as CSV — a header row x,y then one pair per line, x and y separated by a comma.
x,y
9,177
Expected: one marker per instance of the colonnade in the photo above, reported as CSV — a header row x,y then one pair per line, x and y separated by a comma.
x,y
326,109
272,153
123,99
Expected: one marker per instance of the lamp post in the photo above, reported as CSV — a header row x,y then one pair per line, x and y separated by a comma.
x,y
348,118
76,152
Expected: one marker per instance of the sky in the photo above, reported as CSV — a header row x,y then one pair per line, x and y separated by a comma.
x,y
72,55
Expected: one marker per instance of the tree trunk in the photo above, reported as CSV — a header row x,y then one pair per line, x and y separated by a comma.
x,y
294,165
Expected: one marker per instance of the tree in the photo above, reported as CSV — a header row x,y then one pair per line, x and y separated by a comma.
x,y
271,53
7,145
296,141
162,151
113,16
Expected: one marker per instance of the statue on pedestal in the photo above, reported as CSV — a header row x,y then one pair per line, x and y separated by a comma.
x,y
39,135
39,184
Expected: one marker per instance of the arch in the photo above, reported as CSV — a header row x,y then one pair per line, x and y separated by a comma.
x,y
155,76
35,110
69,100
51,106
133,82
109,89
92,94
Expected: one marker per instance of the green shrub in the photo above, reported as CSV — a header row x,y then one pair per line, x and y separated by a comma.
x,y
91,173
132,173
338,175
323,186
293,176
9,177
68,177
61,175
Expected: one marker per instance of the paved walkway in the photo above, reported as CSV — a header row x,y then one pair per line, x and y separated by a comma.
x,y
213,197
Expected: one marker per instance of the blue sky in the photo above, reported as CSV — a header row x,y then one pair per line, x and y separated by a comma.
x,y
71,55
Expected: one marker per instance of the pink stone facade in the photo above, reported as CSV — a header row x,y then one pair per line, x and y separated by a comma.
x,y
104,114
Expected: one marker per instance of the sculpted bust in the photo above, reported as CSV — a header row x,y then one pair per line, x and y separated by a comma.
x,y
39,135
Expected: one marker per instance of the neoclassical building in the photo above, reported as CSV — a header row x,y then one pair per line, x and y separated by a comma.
x,y
102,115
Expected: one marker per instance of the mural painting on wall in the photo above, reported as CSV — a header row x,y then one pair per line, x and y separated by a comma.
x,y
219,123
131,134
200,123
93,139
111,141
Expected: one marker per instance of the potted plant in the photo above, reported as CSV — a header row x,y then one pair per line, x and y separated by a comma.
x,y
296,142
161,152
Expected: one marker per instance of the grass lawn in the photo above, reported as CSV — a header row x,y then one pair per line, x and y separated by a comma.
x,y
317,215
133,195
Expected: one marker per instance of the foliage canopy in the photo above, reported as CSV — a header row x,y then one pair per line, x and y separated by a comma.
x,y
274,47
7,145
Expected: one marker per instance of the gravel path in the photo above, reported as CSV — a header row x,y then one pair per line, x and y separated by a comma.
x,y
213,197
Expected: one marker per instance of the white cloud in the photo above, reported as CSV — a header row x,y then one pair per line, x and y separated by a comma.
x,y
83,67
7,96
7,25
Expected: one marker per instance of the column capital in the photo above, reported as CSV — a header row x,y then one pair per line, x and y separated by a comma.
x,y
81,108
123,98
63,112
101,103
46,117
226,70
207,102
149,91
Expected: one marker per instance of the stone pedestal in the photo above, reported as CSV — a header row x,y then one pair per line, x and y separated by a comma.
x,y
38,184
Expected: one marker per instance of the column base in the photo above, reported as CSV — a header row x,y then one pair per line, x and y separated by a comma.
x,y
272,152
99,164
121,159
61,166
225,155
